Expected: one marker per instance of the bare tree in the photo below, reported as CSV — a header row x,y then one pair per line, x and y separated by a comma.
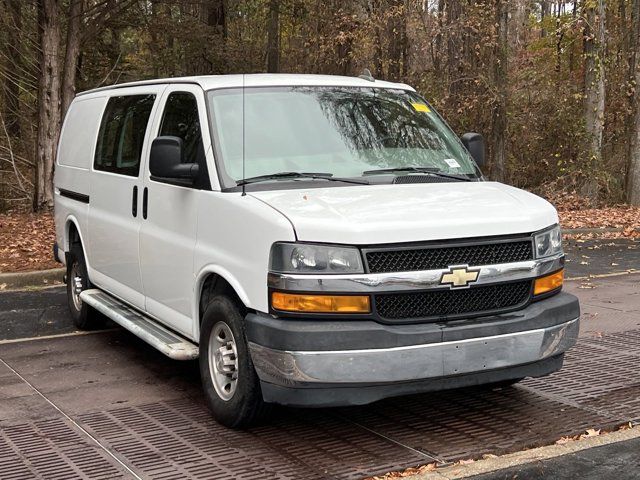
x,y
273,37
14,58
633,162
48,102
72,54
397,33
594,86
500,79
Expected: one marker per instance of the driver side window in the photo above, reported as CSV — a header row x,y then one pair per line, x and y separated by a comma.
x,y
181,119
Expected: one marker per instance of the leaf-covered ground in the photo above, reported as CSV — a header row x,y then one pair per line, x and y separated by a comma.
x,y
26,239
577,212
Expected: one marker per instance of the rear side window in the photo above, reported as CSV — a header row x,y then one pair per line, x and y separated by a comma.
x,y
121,134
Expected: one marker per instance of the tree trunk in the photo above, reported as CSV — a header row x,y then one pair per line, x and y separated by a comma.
x,y
519,22
397,33
273,37
544,11
633,161
437,68
594,87
574,14
48,102
11,105
213,58
72,54
453,19
500,79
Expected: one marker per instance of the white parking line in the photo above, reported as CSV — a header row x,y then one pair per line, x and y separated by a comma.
x,y
59,335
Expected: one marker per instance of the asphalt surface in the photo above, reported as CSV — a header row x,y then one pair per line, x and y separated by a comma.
x,y
106,405
597,257
619,461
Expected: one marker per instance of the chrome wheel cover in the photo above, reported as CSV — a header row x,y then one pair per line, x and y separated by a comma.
x,y
223,361
76,285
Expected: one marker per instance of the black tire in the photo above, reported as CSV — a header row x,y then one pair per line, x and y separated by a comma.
x,y
84,317
245,406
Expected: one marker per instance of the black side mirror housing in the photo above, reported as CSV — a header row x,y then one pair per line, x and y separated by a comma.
x,y
474,143
166,161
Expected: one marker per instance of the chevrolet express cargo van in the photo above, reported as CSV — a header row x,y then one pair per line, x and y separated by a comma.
x,y
312,240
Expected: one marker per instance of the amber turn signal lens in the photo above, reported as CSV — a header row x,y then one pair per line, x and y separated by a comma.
x,y
293,302
548,283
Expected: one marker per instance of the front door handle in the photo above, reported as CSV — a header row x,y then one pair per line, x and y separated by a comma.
x,y
134,202
145,198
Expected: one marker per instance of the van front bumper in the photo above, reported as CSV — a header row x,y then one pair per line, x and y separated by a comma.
x,y
330,363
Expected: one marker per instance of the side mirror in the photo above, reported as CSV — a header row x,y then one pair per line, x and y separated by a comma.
x,y
474,143
166,161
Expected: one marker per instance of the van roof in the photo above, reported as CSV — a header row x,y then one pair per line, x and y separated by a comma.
x,y
209,82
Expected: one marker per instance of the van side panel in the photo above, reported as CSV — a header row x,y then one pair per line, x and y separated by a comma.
x,y
73,163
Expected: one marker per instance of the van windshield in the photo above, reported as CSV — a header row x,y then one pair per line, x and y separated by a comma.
x,y
343,132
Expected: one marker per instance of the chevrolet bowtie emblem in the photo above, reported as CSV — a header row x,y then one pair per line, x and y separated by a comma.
x,y
459,276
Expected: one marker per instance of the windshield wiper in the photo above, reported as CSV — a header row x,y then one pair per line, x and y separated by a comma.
x,y
426,170
293,175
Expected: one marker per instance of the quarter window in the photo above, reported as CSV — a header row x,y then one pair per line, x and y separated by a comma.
x,y
121,135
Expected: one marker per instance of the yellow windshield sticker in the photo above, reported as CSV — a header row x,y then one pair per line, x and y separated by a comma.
x,y
421,107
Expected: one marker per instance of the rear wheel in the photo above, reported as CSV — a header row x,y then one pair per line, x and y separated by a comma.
x,y
84,317
229,380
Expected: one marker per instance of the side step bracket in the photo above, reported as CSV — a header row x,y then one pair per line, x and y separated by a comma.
x,y
169,343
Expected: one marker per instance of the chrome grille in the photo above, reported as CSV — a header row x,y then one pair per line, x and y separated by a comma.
x,y
440,257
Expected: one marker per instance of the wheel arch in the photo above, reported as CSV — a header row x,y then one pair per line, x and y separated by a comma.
x,y
72,234
216,280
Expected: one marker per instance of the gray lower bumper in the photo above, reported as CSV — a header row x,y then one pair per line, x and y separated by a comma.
x,y
413,362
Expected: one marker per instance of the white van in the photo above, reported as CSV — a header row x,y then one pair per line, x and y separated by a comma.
x,y
314,240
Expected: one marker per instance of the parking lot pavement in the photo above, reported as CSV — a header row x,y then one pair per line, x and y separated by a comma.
x,y
106,405
601,257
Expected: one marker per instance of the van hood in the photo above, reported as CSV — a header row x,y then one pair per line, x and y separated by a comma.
x,y
376,214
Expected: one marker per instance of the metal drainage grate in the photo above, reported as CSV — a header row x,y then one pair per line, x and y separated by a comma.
x,y
467,423
600,374
178,439
50,450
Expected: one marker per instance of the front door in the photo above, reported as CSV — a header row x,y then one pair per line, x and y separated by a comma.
x,y
168,233
116,181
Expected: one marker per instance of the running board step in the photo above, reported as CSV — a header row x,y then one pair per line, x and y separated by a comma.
x,y
172,345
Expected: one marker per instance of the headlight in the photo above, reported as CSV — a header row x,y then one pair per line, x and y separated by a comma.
x,y
549,242
318,259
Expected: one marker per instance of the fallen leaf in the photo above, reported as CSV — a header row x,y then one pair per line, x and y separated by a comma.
x,y
489,455
591,432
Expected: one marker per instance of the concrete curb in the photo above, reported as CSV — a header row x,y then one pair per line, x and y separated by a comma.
x,y
38,278
493,464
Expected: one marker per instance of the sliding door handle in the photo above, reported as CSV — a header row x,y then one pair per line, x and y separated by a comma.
x,y
134,202
145,200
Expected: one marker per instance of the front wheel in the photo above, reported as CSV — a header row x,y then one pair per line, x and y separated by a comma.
x,y
229,380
